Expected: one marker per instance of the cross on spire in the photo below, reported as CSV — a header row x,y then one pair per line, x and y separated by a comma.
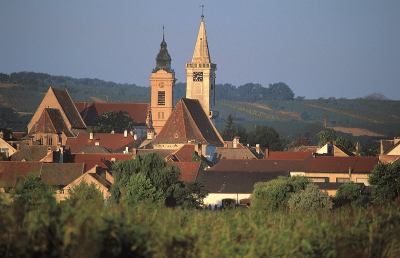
x,y
202,11
163,30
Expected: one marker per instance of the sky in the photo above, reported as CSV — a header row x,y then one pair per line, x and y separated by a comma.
x,y
320,48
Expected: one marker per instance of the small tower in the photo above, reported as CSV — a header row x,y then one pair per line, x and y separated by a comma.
x,y
162,81
200,73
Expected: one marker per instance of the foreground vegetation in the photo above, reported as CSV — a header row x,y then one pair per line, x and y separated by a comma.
x,y
87,227
290,218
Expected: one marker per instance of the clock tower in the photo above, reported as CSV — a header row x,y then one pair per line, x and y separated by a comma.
x,y
162,81
200,74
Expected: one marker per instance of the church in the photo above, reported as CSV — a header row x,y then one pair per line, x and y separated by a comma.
x,y
159,125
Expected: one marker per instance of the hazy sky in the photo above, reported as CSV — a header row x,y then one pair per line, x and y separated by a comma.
x,y
341,48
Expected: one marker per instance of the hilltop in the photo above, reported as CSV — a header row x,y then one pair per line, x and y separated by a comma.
x,y
250,104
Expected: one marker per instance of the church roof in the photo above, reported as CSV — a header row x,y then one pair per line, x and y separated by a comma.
x,y
51,121
201,53
65,101
188,123
90,111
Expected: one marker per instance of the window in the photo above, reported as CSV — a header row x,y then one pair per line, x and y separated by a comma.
x,y
342,180
50,141
161,98
319,179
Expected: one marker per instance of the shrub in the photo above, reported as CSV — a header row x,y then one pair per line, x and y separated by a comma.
x,y
351,193
385,179
310,199
274,194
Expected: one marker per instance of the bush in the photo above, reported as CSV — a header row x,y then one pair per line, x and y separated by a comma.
x,y
274,194
310,199
351,193
385,179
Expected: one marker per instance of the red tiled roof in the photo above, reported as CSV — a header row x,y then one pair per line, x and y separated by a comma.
x,y
51,173
185,153
91,110
51,121
189,170
340,164
235,153
69,108
257,165
188,122
113,142
288,155
103,160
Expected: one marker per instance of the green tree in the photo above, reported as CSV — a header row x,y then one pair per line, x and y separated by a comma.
x,y
82,194
266,136
36,209
345,143
165,178
139,189
232,130
274,194
325,136
385,179
351,193
310,199
117,121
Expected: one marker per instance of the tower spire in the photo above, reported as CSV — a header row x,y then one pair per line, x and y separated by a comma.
x,y
202,11
163,30
201,53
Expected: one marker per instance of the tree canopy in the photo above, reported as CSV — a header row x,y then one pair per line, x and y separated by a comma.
x,y
114,121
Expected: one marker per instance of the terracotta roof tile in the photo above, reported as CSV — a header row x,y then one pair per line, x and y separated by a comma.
x,y
32,152
331,164
51,121
69,108
189,170
185,153
57,174
91,110
288,155
235,153
113,142
188,122
257,165
103,160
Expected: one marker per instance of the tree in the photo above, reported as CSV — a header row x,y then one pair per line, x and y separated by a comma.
x,y
274,194
351,193
281,91
385,179
310,199
155,173
325,136
83,193
231,130
117,121
266,136
139,189
345,144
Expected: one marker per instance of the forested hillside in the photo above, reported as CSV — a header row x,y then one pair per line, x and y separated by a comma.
x,y
250,104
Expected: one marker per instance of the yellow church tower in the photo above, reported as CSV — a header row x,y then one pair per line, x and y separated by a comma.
x,y
162,81
200,73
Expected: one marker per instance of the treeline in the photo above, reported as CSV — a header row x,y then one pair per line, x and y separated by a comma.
x,y
112,91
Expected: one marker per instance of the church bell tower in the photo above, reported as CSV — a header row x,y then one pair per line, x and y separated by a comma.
x,y
200,74
162,81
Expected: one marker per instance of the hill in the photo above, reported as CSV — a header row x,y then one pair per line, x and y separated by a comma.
x,y
250,104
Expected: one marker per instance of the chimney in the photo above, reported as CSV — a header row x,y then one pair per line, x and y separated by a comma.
x,y
135,137
61,150
266,152
258,150
382,148
91,136
112,131
126,150
125,133
97,143
396,140
236,141
131,132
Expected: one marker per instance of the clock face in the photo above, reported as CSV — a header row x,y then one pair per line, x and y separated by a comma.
x,y
197,76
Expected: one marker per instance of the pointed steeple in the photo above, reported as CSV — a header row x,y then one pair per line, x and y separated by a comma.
x,y
163,60
201,53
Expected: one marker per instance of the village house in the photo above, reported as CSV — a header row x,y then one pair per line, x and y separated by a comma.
x,y
389,150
